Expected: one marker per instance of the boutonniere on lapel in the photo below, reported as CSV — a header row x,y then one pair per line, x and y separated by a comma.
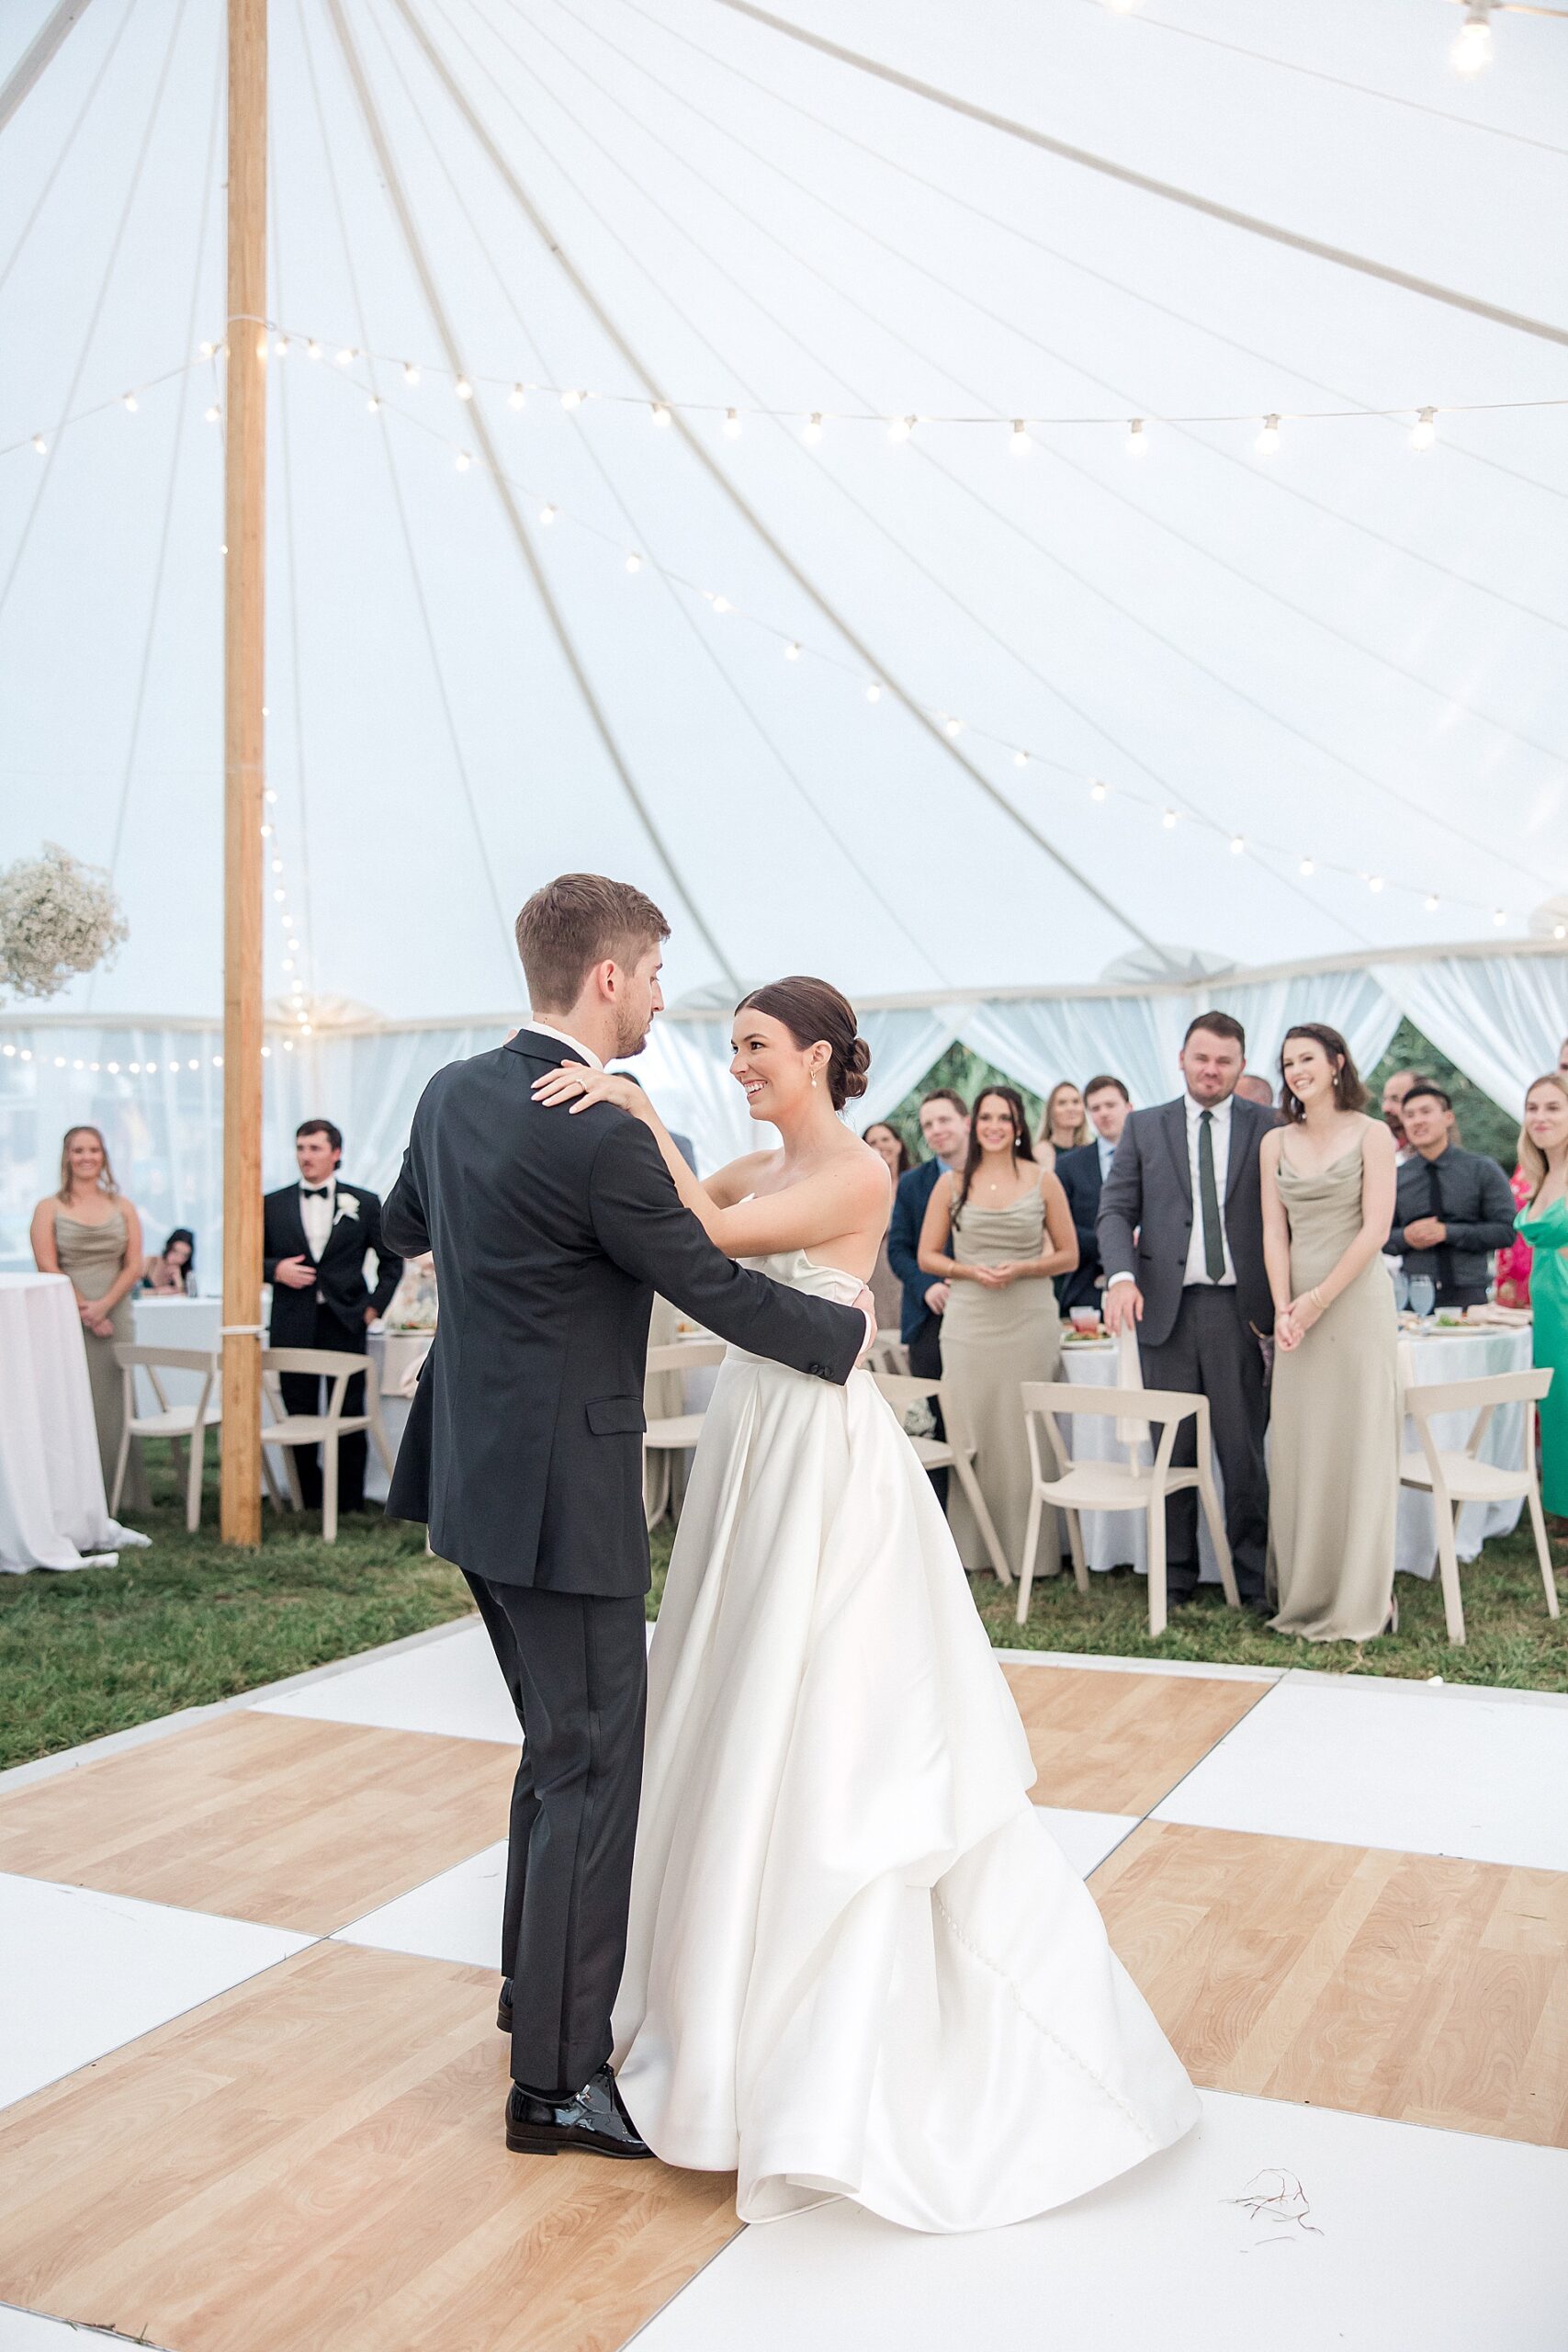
x,y
347,1206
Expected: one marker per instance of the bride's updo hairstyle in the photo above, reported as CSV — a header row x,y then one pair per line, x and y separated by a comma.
x,y
814,1011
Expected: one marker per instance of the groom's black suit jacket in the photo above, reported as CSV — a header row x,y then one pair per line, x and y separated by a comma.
x,y
551,1233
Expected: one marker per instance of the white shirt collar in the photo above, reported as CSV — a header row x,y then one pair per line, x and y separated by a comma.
x,y
305,1186
1195,1111
549,1029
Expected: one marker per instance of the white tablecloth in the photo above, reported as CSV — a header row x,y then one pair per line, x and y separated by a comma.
x,y
1115,1539
52,1513
175,1322
394,1353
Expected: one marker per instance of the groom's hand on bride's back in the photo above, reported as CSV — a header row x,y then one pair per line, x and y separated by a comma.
x,y
867,1305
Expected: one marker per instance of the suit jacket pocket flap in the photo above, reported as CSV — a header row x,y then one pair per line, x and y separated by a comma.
x,y
616,1416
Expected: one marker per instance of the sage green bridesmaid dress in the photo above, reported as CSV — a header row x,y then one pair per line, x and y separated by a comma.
x,y
1547,1236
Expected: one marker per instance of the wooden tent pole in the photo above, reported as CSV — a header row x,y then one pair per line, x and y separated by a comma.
x,y
244,533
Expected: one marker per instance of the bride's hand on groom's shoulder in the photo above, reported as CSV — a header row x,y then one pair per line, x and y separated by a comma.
x,y
576,1084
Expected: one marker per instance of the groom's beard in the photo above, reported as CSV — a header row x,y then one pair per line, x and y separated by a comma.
x,y
631,1035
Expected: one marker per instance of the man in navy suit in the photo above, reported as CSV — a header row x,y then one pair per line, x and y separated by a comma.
x,y
944,1129
1082,1172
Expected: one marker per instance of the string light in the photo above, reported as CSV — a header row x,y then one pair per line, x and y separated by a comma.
x,y
1098,790
516,397
463,388
546,516
312,349
1431,902
410,373
207,350
1424,432
732,425
572,399
1374,881
661,414
281,346
901,428
634,563
1169,820
128,401
1499,915
722,605
40,444
213,415
954,727
1020,759
1268,439
1238,843
462,461
1137,440
373,403
1307,868
874,692
811,431
792,651
1019,441
347,356
1471,51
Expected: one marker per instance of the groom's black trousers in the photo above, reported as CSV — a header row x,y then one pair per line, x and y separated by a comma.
x,y
575,1664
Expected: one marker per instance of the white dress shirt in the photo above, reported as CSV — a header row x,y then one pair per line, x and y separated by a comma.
x,y
584,1053
1197,1271
316,1216
1107,1150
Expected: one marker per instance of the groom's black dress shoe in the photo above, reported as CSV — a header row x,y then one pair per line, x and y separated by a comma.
x,y
504,2007
592,2120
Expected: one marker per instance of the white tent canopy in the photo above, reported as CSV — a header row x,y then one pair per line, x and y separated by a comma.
x,y
1342,653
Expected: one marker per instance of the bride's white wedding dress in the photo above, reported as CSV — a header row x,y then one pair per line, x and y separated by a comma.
x,y
858,1965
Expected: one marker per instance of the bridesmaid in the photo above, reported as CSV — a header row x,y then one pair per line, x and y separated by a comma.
x,y
998,1233
89,1231
886,1290
1543,1223
1064,1124
1328,1183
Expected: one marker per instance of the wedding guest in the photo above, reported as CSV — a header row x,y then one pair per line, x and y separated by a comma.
x,y
944,1130
173,1271
886,1289
89,1231
317,1234
1182,1240
1563,1057
1063,1127
1253,1089
1396,1086
1512,1279
1082,1173
1452,1207
1543,1155
1328,1181
998,1233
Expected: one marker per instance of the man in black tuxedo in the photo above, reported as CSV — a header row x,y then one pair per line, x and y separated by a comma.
x,y
1182,1240
316,1235
944,1130
1082,1173
551,1232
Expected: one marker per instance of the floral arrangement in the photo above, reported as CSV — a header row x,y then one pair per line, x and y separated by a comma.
x,y
58,918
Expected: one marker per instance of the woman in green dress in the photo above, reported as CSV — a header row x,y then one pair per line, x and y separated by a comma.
x,y
1543,1223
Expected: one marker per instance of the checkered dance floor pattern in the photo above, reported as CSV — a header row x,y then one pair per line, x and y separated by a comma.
x,y
251,2086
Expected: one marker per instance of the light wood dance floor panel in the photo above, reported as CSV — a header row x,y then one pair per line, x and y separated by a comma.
x,y
274,1818
1408,1986
1118,1743
314,2163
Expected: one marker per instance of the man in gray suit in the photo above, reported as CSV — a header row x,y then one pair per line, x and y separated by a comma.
x,y
1180,1230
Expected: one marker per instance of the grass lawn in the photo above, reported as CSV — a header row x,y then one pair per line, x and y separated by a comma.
x,y
190,1622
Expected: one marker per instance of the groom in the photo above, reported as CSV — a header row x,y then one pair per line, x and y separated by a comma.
x,y
523,1453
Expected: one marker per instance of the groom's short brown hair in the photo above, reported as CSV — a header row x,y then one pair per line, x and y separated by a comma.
x,y
576,922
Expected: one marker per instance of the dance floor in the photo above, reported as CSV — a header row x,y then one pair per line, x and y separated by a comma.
x,y
251,2086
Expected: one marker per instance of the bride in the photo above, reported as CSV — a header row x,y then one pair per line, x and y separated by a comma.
x,y
858,1965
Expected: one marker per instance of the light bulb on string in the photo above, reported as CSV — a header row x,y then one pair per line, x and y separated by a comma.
x,y
1431,902
899,428
128,401
281,346
1499,916
1424,432
1307,868
463,388
572,399
661,416
410,373
1374,882
732,425
954,726
1268,439
373,403
1471,51
516,397
1169,820
722,605
1019,441
261,346
212,414
346,356
208,349
1238,843
462,461
547,514
1137,440
1020,759
1098,790
634,563
312,349
874,692
811,431
792,651
40,444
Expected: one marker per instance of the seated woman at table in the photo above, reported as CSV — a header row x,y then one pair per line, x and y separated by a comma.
x,y
90,1232
997,1233
173,1271
1335,1425
1543,1223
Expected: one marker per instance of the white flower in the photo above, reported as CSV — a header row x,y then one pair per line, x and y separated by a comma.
x,y
347,1206
58,918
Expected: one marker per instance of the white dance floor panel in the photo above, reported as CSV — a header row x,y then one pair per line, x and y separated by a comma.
x,y
449,1685
102,1969
1411,2238
454,1917
1410,1765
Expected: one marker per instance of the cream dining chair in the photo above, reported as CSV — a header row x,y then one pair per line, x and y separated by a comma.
x,y
1453,1479
290,1429
1130,1485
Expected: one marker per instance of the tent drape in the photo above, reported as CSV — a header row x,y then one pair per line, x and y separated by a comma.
x,y
1502,1019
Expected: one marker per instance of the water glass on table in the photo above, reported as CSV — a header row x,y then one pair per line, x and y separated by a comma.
x,y
1423,1297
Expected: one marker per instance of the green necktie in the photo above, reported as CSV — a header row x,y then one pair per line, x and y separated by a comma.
x,y
1213,1235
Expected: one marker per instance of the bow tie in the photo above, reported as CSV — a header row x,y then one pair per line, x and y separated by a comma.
x,y
316,1191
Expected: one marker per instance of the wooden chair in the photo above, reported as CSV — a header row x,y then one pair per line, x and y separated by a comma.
x,y
325,1430
1454,1479
181,1424
1131,1485
904,1389
672,1433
